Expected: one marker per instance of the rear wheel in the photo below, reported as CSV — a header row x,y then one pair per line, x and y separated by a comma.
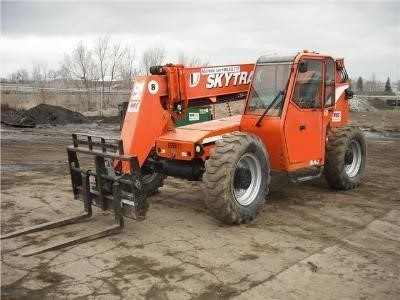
x,y
345,158
236,178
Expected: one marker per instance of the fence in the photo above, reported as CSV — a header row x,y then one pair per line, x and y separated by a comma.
x,y
25,97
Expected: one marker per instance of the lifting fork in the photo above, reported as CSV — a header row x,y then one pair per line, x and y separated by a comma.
x,y
81,186
75,219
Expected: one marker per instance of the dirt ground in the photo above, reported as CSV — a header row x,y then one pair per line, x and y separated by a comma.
x,y
309,242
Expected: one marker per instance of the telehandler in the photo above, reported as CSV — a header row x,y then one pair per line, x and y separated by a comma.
x,y
295,119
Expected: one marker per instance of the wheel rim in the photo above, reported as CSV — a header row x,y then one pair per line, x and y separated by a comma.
x,y
353,158
247,179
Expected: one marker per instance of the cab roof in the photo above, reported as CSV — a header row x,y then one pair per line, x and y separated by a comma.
x,y
274,58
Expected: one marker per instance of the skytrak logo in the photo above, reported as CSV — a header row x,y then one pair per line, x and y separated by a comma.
x,y
218,77
219,80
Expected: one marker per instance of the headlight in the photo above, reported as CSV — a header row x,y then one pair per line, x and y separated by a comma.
x,y
198,149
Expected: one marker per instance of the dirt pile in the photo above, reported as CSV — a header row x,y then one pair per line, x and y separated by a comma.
x,y
371,104
44,114
358,104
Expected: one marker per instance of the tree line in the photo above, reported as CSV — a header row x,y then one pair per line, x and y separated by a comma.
x,y
105,64
101,65
373,86
105,60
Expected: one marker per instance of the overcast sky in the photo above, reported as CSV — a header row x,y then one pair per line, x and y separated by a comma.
x,y
366,33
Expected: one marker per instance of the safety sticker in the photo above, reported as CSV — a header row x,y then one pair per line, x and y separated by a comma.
x,y
337,116
137,91
194,116
153,87
218,70
315,162
203,111
133,106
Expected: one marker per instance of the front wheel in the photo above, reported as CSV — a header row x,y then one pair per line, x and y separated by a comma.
x,y
152,182
345,158
236,178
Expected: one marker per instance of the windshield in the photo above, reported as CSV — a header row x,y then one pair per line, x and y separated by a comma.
x,y
269,82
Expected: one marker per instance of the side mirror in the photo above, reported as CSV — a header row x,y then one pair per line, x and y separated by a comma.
x,y
348,94
303,66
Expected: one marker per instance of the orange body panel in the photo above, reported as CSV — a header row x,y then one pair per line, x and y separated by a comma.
x,y
289,147
145,118
303,145
271,133
339,116
180,144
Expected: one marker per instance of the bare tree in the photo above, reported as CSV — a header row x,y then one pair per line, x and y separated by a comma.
x,y
101,53
20,75
153,56
109,56
125,68
23,74
182,58
80,66
39,79
64,74
39,72
117,57
52,74
193,61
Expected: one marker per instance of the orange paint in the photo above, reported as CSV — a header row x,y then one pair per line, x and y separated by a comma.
x,y
145,118
294,136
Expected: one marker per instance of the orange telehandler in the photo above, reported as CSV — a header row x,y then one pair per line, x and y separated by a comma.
x,y
294,120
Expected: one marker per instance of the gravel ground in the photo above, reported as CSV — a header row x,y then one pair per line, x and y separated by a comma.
x,y
309,242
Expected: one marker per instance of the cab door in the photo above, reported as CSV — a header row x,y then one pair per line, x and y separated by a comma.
x,y
303,125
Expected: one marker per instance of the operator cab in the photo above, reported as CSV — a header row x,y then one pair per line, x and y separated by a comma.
x,y
311,89
290,105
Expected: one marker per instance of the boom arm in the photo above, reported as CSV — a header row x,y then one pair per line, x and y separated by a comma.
x,y
203,85
159,98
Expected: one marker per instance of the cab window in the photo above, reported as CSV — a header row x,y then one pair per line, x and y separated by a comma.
x,y
268,88
330,83
308,92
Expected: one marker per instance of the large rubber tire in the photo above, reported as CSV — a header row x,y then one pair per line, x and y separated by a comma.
x,y
345,158
152,182
237,177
